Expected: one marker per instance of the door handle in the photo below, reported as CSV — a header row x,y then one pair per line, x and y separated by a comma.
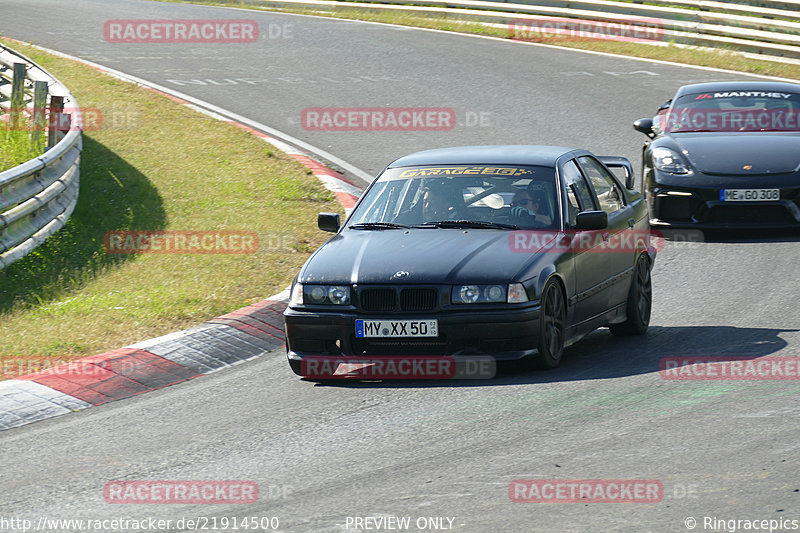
x,y
631,222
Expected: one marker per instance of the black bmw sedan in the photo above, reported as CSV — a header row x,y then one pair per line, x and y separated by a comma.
x,y
724,155
508,252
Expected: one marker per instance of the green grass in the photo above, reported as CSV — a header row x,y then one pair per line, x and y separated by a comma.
x,y
16,146
718,58
154,164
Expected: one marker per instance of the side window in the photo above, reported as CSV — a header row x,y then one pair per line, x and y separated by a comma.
x,y
579,197
659,119
609,196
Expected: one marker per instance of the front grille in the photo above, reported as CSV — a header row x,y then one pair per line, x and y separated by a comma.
x,y
751,214
418,299
411,299
378,299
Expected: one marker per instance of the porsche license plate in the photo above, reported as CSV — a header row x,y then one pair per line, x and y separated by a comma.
x,y
749,195
397,328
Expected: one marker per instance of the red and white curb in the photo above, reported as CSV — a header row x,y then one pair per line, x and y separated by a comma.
x,y
220,343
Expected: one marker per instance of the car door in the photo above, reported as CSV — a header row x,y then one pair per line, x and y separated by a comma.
x,y
590,298
620,242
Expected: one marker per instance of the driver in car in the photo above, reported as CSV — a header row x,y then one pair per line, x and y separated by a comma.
x,y
529,205
435,205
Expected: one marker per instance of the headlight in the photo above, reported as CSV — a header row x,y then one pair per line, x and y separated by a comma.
x,y
315,294
494,293
320,294
468,294
669,161
339,295
481,294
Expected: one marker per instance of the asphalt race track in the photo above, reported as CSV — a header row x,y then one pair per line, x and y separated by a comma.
x,y
324,455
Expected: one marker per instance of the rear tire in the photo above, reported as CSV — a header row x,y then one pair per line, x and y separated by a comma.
x,y
640,301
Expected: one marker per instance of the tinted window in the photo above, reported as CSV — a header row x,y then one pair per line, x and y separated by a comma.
x,y
609,196
734,111
579,197
521,195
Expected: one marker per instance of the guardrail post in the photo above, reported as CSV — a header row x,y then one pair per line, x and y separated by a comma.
x,y
55,114
17,95
39,116
38,196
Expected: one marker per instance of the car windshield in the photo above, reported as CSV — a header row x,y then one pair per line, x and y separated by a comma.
x,y
460,196
733,111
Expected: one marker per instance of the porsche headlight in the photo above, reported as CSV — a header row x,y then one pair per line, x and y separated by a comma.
x,y
669,161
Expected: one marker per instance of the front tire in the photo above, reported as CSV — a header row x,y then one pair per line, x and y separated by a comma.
x,y
552,326
640,301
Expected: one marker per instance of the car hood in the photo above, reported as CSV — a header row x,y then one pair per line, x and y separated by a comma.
x,y
731,153
427,256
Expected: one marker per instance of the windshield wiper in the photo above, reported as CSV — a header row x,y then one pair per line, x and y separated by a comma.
x,y
478,224
378,225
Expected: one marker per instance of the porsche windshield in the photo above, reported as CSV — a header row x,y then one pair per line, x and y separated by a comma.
x,y
477,196
733,111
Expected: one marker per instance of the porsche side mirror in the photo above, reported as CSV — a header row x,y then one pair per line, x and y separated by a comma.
x,y
329,222
644,125
591,220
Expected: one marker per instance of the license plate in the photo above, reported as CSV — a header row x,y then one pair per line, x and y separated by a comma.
x,y
749,195
397,328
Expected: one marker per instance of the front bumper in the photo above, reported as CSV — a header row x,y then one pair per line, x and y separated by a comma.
x,y
502,334
684,207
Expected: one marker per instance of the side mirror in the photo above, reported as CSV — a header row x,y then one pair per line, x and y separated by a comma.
x,y
615,162
329,222
591,220
644,125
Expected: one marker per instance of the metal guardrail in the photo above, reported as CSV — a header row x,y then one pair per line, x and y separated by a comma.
x,y
770,29
37,197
